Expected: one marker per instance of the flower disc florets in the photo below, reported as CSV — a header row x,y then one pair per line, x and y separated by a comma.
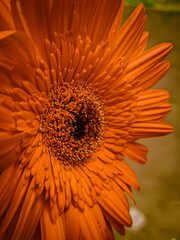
x,y
72,123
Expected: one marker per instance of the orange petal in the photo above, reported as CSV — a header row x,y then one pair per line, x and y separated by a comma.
x,y
147,60
7,122
17,48
37,233
89,228
17,55
136,152
72,223
152,98
5,74
114,222
114,206
5,178
16,200
101,19
128,175
62,15
151,77
97,17
9,149
130,34
150,129
6,21
154,114
4,34
104,227
141,45
10,177
32,17
50,230
24,215
117,23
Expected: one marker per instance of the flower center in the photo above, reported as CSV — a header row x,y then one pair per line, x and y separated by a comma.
x,y
72,123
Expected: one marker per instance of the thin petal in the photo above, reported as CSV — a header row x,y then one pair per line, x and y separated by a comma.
x,y
31,17
4,34
72,223
17,47
128,176
136,152
88,225
97,17
151,77
37,233
61,17
152,98
150,129
9,180
16,200
24,214
104,227
17,57
10,149
114,203
117,22
50,230
114,222
33,219
130,34
154,114
6,21
147,60
141,45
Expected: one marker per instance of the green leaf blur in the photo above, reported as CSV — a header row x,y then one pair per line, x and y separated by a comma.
x,y
163,5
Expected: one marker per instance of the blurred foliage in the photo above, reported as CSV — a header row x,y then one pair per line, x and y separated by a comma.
x,y
163,5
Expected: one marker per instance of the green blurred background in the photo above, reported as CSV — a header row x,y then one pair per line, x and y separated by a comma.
x,y
162,5
159,198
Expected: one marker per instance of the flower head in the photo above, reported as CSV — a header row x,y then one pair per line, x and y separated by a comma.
x,y
74,99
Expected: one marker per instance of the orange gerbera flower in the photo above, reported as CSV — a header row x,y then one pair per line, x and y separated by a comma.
x,y
74,99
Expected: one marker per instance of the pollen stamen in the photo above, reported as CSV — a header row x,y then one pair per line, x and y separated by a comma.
x,y
72,123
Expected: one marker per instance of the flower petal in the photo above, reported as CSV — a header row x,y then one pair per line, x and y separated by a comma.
x,y
61,17
130,34
22,226
16,47
128,176
9,180
151,77
88,226
18,195
95,17
50,230
152,98
141,45
136,152
147,60
150,129
10,149
6,21
114,204
37,234
4,34
72,223
17,57
104,227
32,17
100,19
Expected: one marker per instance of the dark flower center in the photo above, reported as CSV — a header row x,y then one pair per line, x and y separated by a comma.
x,y
72,123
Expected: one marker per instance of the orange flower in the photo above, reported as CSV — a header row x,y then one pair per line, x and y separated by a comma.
x,y
74,99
